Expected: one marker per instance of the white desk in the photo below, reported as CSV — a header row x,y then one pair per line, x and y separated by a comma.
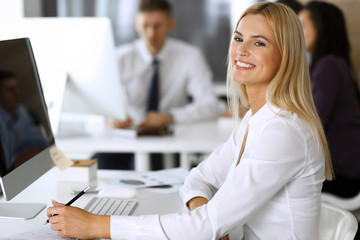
x,y
202,137
47,188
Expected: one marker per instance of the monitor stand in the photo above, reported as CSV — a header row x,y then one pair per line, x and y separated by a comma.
x,y
81,125
20,210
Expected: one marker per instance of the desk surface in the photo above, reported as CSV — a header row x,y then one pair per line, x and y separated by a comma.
x,y
196,137
47,188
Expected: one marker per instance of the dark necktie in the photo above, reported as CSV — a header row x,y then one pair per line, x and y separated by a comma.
x,y
153,97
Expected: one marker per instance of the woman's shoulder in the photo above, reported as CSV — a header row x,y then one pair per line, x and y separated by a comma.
x,y
330,71
286,122
278,121
331,61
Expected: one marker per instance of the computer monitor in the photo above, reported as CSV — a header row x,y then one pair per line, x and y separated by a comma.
x,y
26,135
77,65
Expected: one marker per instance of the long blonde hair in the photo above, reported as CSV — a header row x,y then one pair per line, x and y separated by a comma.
x,y
290,89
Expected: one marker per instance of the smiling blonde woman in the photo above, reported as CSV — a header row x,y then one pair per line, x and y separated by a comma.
x,y
266,178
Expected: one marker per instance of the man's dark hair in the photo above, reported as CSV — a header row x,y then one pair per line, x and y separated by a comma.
x,y
155,5
293,4
6,74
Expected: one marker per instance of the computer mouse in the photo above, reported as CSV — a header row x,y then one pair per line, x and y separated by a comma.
x,y
118,192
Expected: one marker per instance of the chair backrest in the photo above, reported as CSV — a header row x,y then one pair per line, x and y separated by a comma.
x,y
350,204
336,223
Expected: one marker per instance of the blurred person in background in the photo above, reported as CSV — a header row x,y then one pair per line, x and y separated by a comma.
x,y
167,81
335,91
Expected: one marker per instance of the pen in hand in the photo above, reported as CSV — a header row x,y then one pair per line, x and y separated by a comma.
x,y
72,200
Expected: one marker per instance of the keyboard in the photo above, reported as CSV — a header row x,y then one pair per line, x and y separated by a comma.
x,y
111,206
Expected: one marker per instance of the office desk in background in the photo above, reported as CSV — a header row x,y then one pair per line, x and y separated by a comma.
x,y
201,137
48,187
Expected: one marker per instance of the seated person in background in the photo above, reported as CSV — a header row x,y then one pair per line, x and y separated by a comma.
x,y
181,70
18,131
4,155
336,94
267,177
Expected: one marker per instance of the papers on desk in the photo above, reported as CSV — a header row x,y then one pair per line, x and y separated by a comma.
x,y
162,181
43,233
134,132
125,132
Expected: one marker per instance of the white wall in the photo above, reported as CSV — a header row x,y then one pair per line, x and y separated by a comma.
x,y
11,9
238,7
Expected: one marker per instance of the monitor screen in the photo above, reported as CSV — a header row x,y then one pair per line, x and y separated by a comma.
x,y
26,134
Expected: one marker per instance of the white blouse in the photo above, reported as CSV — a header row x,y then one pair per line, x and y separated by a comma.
x,y
273,193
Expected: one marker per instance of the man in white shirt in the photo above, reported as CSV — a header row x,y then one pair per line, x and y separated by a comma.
x,y
183,73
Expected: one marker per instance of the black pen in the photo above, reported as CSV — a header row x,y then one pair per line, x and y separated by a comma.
x,y
72,200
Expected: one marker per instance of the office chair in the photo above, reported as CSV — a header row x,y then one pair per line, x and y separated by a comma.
x,y
350,204
337,223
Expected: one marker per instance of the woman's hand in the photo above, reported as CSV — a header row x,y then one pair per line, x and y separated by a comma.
x,y
127,123
225,237
155,123
72,222
196,202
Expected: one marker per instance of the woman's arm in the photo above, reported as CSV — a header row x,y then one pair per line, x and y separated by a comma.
x,y
209,175
197,202
265,168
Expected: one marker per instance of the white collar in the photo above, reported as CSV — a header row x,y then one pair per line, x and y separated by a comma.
x,y
265,112
147,56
